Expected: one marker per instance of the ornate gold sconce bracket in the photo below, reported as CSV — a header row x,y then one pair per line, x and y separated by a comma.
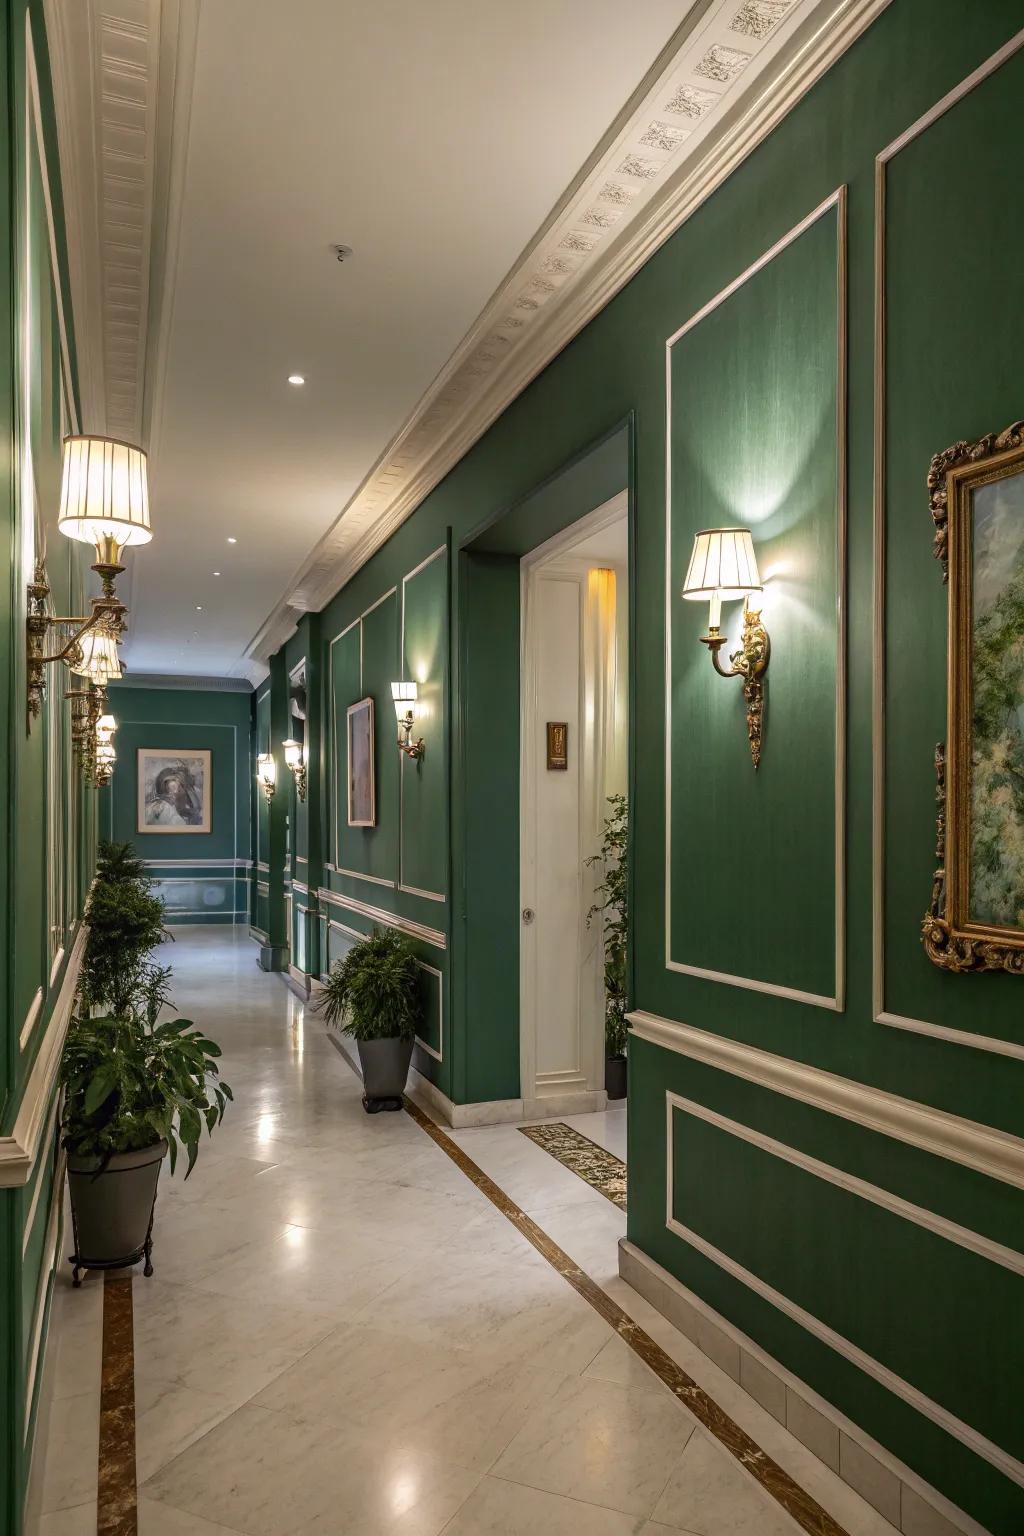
x,y
107,617
750,663
413,749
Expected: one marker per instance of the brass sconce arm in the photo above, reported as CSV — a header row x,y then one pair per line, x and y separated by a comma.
x,y
750,663
108,613
413,749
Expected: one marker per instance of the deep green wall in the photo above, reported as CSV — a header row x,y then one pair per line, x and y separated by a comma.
x,y
754,411
47,840
202,876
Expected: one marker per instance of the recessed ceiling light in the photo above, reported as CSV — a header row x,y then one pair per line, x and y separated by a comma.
x,y
231,540
199,607
296,378
216,573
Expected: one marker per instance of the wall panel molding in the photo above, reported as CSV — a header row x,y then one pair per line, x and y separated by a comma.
x,y
415,930
881,1015
994,1153
1008,1465
18,1151
835,201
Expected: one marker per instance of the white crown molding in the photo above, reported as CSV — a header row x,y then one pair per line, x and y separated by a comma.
x,y
987,1150
122,72
730,89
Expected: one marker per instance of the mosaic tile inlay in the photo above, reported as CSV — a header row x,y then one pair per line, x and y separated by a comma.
x,y
595,1165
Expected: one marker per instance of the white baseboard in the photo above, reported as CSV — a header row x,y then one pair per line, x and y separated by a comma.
x,y
872,1471
588,1101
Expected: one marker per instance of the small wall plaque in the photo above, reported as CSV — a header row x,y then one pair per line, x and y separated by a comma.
x,y
558,744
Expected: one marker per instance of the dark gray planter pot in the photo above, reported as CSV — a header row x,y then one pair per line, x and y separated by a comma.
x,y
112,1212
385,1067
615,1077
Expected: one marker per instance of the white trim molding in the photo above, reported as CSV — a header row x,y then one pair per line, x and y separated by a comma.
x,y
836,202
438,1054
993,1043
19,1150
406,925
414,890
670,149
994,1454
931,1221
992,1152
31,1017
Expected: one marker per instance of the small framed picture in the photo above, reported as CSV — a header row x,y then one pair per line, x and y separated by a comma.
x,y
175,792
362,797
558,744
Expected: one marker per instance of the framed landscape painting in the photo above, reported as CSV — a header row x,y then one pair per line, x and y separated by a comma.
x,y
175,792
976,921
362,797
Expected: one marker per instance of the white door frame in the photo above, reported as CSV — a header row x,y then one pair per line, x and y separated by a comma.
x,y
581,1091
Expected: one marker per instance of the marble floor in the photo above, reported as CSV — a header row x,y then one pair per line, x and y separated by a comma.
x,y
344,1337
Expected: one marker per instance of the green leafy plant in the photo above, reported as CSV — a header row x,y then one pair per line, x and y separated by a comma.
x,y
130,1083
374,991
613,911
119,861
125,925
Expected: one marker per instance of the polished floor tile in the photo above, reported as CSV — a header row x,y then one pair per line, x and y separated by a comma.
x,y
497,1508
344,1337
709,1494
601,1443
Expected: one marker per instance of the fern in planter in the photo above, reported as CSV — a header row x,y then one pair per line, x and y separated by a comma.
x,y
613,912
373,993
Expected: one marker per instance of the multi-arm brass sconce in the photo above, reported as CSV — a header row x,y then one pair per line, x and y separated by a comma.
x,y
104,501
295,759
723,568
404,695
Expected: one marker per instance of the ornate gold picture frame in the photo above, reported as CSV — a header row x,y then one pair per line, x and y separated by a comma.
x,y
976,918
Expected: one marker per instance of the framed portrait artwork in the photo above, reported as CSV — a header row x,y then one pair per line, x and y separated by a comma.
x,y
175,791
976,918
362,797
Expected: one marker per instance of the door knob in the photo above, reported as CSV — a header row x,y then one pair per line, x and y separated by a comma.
x,y
528,914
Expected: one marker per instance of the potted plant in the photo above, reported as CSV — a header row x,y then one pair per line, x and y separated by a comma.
x,y
133,1088
612,909
126,923
373,993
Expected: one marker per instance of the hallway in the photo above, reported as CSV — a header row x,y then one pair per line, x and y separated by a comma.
x,y
344,1335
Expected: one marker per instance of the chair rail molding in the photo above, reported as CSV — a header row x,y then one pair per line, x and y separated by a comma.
x,y
987,1150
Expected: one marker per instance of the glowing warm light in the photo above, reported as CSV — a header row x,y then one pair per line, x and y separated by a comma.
x,y
104,494
292,753
404,696
100,662
296,378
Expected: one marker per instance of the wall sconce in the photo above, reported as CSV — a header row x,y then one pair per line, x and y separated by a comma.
x,y
104,753
87,710
404,695
295,759
104,501
722,568
266,774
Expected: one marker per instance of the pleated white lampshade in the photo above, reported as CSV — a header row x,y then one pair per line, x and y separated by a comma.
x,y
722,562
100,661
104,492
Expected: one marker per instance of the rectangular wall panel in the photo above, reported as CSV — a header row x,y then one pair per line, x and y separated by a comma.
x,y
424,784
755,385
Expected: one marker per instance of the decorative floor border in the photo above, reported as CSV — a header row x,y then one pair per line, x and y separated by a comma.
x,y
775,1480
117,1511
587,1159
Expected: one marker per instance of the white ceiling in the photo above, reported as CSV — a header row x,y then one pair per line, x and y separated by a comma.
x,y
477,156
433,140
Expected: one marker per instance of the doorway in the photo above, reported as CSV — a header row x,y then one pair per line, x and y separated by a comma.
x,y
574,756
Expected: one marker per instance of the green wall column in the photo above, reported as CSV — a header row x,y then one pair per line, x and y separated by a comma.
x,y
274,953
